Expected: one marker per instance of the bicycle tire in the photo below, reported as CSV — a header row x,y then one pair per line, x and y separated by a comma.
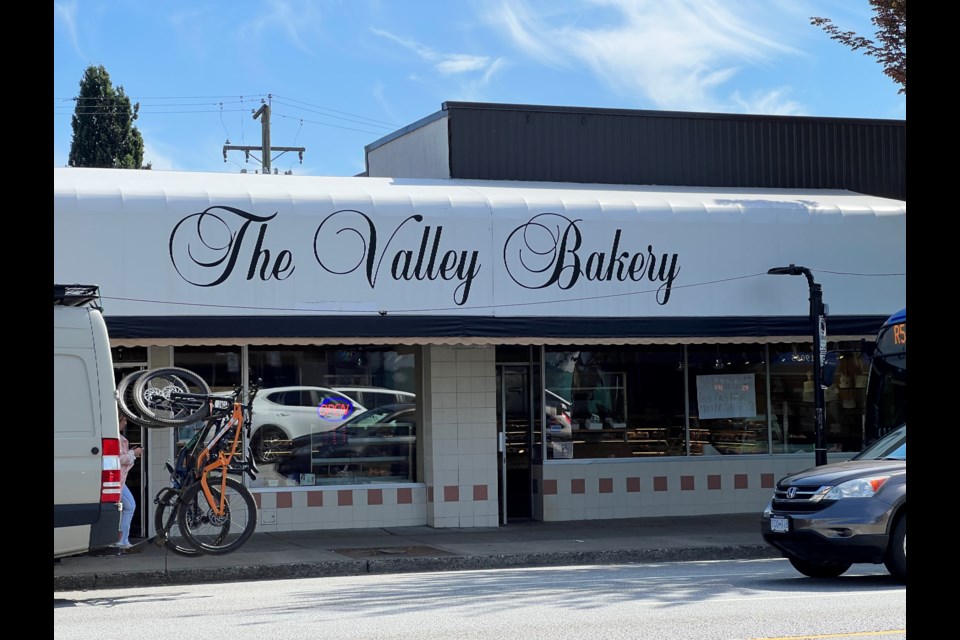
x,y
152,396
126,404
213,534
166,523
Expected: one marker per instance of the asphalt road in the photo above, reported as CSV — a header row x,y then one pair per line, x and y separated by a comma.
x,y
717,600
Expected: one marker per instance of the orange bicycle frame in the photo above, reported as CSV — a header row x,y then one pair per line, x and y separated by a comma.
x,y
222,461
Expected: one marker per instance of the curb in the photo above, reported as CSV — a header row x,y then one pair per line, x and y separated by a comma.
x,y
326,569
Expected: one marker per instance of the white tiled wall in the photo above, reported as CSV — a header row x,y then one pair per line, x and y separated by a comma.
x,y
459,436
603,489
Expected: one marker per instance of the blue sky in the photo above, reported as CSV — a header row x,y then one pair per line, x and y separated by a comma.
x,y
340,74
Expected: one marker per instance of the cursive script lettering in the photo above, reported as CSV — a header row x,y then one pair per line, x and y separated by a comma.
x,y
547,251
354,235
212,248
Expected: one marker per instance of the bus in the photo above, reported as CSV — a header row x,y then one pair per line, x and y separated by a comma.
x,y
886,403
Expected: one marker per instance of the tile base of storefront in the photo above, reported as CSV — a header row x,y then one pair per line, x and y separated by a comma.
x,y
605,489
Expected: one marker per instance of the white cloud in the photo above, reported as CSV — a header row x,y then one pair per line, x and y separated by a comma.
x,y
773,102
461,63
66,13
291,18
157,154
444,63
675,53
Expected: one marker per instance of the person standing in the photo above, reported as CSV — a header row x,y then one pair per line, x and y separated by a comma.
x,y
128,504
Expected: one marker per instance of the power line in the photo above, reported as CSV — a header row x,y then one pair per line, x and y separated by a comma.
x,y
491,306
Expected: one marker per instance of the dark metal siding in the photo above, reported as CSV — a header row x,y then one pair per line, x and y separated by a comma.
x,y
611,146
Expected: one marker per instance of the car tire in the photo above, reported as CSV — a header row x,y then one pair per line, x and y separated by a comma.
x,y
896,560
263,451
819,569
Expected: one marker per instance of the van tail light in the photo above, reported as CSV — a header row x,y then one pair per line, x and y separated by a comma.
x,y
110,474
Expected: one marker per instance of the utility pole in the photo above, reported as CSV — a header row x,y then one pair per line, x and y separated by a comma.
x,y
263,113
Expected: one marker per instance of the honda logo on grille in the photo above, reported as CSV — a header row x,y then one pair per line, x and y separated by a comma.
x,y
791,493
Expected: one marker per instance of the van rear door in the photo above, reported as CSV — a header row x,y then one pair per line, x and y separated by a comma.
x,y
85,508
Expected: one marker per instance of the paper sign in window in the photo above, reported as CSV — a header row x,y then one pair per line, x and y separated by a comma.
x,y
726,396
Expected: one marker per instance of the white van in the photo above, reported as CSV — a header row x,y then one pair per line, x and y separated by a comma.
x,y
86,436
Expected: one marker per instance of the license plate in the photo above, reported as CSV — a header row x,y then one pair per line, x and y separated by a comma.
x,y
779,525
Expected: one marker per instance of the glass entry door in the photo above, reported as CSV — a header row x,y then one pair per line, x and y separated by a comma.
x,y
515,441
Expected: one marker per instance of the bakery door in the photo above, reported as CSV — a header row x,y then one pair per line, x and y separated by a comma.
x,y
514,441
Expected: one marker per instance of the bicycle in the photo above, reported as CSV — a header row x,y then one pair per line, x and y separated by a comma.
x,y
214,513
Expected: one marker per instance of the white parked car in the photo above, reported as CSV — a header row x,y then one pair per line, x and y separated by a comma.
x,y
281,414
373,397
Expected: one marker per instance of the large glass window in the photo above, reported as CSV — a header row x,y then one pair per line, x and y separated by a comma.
x,y
727,388
344,415
793,403
612,402
730,399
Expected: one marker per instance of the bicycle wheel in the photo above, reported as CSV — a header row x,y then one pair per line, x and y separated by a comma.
x,y
215,534
154,394
126,404
167,526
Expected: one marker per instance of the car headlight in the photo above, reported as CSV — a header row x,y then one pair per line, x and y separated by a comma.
x,y
859,488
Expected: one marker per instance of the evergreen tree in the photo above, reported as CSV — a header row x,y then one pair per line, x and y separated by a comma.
x,y
103,130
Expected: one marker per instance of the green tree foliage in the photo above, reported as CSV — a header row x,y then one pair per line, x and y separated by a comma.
x,y
103,130
890,46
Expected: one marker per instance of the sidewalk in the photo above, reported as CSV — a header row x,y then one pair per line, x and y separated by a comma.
x,y
310,554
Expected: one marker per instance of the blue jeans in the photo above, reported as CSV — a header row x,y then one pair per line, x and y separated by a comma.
x,y
126,515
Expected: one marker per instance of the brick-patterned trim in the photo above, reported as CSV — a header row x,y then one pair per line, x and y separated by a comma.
x,y
284,500
314,498
714,482
659,483
633,485
549,487
741,481
344,497
404,495
479,492
767,481
451,493
374,496
606,485
578,485
687,483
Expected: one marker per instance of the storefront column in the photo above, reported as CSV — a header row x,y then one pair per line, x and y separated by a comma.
x,y
459,436
158,444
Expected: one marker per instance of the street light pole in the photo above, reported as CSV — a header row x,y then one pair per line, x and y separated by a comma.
x,y
818,327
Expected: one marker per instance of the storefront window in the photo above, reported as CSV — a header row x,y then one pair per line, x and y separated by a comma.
x,y
792,398
612,402
322,416
728,399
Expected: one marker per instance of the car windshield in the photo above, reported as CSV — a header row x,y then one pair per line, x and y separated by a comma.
x,y
892,446
369,417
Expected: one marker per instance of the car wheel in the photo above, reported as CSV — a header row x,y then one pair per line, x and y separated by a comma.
x,y
896,560
266,443
819,569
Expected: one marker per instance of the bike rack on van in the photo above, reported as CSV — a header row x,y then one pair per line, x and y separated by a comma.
x,y
77,295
